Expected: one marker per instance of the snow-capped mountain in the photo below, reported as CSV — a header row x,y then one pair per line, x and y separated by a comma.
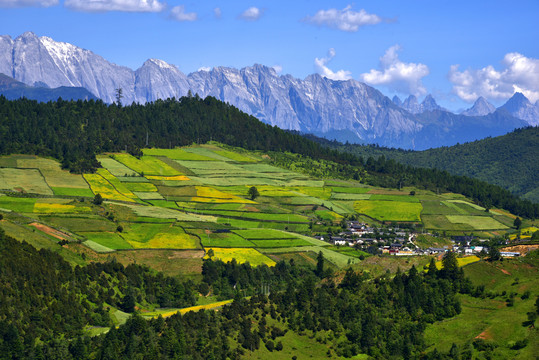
x,y
344,110
520,107
480,107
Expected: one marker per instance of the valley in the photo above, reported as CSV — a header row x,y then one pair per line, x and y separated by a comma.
x,y
197,198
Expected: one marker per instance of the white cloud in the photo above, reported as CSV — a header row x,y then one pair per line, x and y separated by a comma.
x,y
345,19
251,14
322,69
178,13
217,12
205,68
397,75
115,5
520,74
27,3
278,68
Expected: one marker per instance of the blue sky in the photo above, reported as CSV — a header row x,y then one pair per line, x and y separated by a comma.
x,y
399,47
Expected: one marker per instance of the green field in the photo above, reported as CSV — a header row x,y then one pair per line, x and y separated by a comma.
x,y
24,180
229,240
477,222
146,165
254,234
389,210
346,196
399,198
21,205
80,223
67,191
280,243
177,154
116,168
350,190
108,239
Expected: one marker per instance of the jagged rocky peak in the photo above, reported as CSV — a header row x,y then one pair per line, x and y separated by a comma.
x,y
397,101
410,104
429,104
481,107
520,107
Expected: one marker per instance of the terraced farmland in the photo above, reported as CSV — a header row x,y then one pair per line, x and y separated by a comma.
x,y
196,198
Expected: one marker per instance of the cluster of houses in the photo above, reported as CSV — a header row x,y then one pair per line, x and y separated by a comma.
x,y
360,235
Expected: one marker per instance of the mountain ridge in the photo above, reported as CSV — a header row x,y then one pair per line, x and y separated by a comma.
x,y
347,110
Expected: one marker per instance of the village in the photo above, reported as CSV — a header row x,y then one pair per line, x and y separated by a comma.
x,y
398,241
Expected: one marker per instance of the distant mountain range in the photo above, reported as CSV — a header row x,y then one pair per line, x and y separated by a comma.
x,y
13,89
345,110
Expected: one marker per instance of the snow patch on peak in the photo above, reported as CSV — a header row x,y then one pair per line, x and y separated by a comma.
x,y
162,64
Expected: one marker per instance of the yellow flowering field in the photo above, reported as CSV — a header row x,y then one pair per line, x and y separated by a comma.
x,y
174,239
461,261
241,255
119,186
48,208
101,186
147,165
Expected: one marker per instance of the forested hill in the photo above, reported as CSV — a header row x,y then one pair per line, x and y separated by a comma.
x,y
509,161
75,131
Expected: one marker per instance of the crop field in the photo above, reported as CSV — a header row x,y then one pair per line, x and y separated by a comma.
x,y
328,215
119,186
48,208
140,186
52,171
350,190
107,239
477,222
280,243
399,198
147,165
174,238
262,216
241,255
21,205
68,191
437,207
100,185
461,261
150,195
80,223
346,196
24,180
98,248
207,151
137,232
389,210
254,234
440,222
227,240
116,168
177,154
234,156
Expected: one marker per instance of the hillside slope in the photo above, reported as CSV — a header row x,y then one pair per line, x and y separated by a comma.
x,y
509,161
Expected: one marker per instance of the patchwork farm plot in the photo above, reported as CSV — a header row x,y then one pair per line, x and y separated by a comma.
x,y
196,197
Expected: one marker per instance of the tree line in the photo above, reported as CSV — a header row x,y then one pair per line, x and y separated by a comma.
x,y
75,131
